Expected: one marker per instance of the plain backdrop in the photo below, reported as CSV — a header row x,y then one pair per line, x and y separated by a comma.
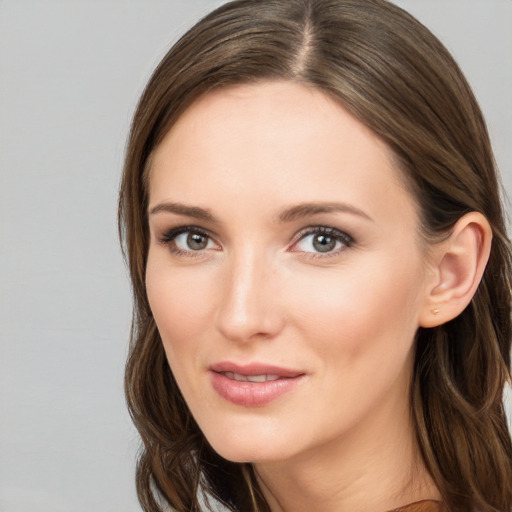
x,y
70,74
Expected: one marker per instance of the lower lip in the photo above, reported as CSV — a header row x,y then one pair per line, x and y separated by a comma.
x,y
252,394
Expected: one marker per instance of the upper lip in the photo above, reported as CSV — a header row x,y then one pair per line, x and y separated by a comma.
x,y
254,369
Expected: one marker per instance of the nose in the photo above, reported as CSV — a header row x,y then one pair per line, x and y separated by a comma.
x,y
249,305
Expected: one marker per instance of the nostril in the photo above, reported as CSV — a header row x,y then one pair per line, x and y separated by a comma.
x,y
246,324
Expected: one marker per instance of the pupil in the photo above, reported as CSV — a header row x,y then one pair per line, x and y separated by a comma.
x,y
323,243
196,241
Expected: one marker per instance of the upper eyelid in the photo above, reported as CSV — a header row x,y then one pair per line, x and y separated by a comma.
x,y
321,228
343,237
168,238
303,232
178,230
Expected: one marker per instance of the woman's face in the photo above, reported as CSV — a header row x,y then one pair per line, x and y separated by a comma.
x,y
285,272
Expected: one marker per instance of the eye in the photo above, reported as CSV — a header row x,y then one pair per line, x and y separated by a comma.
x,y
187,239
322,240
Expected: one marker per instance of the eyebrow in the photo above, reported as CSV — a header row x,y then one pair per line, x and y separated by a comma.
x,y
288,215
315,208
182,209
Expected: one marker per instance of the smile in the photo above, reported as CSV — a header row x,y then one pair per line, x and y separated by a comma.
x,y
253,385
250,378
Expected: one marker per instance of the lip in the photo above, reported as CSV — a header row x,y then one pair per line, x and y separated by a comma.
x,y
253,394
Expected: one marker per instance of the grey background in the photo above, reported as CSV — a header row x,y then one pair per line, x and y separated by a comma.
x,y
70,74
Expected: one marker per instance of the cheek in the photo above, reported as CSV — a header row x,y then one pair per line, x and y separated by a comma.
x,y
181,303
361,327
372,308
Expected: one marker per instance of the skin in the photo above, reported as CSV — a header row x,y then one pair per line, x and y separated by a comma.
x,y
259,291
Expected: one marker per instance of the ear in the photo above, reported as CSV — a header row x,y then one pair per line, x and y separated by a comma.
x,y
458,264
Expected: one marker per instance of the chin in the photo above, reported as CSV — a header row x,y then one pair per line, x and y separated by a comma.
x,y
249,448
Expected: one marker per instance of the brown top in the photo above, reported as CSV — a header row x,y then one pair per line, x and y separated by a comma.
x,y
421,506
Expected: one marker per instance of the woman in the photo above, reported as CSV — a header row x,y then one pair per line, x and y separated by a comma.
x,y
311,215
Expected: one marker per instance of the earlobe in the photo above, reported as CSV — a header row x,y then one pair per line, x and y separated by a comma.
x,y
458,265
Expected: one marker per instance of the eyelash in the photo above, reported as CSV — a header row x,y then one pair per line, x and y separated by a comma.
x,y
169,237
339,236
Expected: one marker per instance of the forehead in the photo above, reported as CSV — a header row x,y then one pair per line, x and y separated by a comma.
x,y
278,140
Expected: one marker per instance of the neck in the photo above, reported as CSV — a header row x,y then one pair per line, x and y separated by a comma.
x,y
375,467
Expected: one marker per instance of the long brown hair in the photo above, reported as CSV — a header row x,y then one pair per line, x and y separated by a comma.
x,y
393,75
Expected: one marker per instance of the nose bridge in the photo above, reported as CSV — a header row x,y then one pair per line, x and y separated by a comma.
x,y
247,308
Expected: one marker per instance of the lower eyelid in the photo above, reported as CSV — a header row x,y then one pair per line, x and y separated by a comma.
x,y
345,239
170,235
168,239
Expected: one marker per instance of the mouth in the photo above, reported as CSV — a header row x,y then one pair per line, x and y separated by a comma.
x,y
261,371
253,385
251,378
